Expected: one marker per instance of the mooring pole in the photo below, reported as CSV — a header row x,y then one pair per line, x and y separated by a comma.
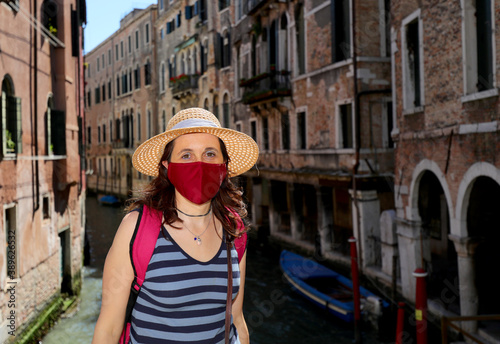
x,y
400,324
421,306
355,289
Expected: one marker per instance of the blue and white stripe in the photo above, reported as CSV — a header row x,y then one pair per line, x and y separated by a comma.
x,y
182,300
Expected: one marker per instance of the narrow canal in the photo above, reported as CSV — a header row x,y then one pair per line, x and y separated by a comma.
x,y
274,313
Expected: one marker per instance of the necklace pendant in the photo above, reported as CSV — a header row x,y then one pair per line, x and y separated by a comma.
x,y
198,240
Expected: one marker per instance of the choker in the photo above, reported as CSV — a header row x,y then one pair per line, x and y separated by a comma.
x,y
208,212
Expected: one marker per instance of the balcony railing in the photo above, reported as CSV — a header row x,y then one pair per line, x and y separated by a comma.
x,y
184,84
252,5
266,86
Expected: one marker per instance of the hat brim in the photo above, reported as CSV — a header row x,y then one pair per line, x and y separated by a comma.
x,y
242,150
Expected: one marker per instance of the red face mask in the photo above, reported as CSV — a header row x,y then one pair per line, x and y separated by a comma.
x,y
199,181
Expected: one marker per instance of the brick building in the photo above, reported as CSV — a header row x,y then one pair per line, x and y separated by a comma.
x,y
447,169
120,102
42,189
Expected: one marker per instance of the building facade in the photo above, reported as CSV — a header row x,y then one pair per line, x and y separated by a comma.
x,y
447,172
120,102
42,188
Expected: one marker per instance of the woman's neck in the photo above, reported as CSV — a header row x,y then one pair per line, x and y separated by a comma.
x,y
189,208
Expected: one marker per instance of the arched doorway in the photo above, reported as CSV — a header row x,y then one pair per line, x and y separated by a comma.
x,y
483,224
443,267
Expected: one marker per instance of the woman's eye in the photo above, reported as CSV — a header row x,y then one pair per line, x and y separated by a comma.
x,y
186,156
211,154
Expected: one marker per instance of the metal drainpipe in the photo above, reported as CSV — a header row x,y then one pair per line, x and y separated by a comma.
x,y
36,202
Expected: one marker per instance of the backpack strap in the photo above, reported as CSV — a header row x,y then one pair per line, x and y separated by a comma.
x,y
141,249
240,243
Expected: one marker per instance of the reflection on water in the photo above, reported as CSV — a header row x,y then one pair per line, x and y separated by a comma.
x,y
79,328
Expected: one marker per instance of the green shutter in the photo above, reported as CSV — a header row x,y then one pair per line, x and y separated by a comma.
x,y
3,123
19,126
58,131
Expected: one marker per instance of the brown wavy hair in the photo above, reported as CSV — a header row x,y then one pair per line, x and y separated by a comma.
x,y
227,206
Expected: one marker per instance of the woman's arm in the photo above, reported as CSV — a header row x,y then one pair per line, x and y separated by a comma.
x,y
117,279
237,310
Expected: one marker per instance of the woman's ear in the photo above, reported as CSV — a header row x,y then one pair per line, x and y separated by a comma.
x,y
165,163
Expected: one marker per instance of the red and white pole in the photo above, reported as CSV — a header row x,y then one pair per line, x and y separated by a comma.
x,y
355,289
421,306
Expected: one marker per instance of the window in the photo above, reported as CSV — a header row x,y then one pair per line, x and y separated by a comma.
x,y
238,126
285,131
110,131
117,85
121,49
253,130
150,123
49,16
147,33
345,126
10,216
137,40
300,40
161,34
479,38
104,133
109,90
89,135
45,207
147,73
178,19
273,44
161,4
116,52
341,37
11,129
98,134
137,77
164,120
109,56
223,4
117,129
162,77
283,43
216,107
97,95
103,61
239,9
225,111
129,44
88,70
169,27
124,82
89,98
98,64
265,133
388,125
225,45
203,10
301,130
103,92
130,80
188,10
412,69
205,104
49,148
139,124
204,57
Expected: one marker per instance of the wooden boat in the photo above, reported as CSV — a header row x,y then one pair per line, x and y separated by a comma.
x,y
109,200
326,288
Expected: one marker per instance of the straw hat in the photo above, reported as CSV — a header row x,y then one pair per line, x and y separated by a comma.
x,y
241,148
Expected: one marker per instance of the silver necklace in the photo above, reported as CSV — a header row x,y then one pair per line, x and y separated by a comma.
x,y
197,238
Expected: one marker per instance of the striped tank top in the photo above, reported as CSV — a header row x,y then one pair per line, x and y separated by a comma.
x,y
183,300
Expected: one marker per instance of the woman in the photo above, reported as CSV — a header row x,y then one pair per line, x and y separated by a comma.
x,y
183,297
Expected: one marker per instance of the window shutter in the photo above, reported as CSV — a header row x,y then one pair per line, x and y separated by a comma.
x,y
218,47
172,25
4,124
202,58
48,133
58,131
75,34
196,9
228,62
188,10
169,27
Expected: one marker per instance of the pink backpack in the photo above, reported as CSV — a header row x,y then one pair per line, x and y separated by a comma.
x,y
142,245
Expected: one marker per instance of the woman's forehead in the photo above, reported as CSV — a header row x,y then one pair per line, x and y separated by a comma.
x,y
193,140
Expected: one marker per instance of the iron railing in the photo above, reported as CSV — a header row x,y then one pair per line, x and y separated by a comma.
x,y
448,322
266,86
185,83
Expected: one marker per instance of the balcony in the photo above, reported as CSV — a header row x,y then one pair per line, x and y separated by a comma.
x,y
266,87
251,6
184,85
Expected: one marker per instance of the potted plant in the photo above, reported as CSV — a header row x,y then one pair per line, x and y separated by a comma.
x,y
11,145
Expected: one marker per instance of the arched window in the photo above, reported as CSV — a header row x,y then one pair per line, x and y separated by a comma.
x,y
162,77
216,106
225,110
283,43
300,40
49,16
49,147
11,130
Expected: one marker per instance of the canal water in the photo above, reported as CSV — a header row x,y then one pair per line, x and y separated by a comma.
x,y
273,312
